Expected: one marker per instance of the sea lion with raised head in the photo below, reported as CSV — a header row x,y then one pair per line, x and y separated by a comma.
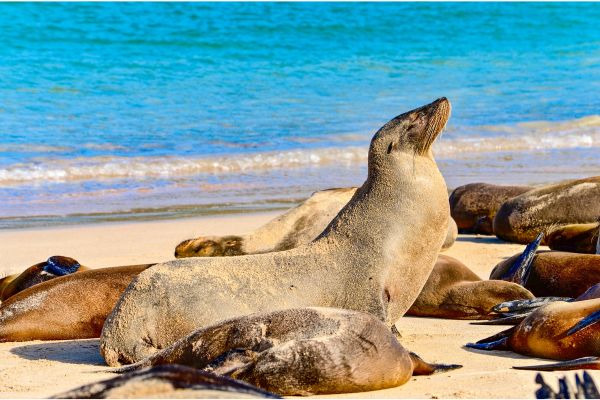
x,y
167,381
546,208
474,206
576,238
559,331
298,226
454,291
391,231
53,267
300,351
67,307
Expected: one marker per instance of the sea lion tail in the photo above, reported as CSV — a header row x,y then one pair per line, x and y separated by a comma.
x,y
520,270
584,323
422,367
578,363
527,305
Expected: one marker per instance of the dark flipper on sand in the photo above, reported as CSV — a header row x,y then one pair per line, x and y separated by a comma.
x,y
511,320
578,363
520,270
584,323
422,367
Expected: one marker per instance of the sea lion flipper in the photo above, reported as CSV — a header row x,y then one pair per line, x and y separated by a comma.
x,y
422,367
60,266
588,387
578,363
527,305
584,323
510,320
500,344
520,270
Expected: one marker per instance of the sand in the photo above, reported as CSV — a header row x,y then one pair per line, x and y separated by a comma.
x,y
40,369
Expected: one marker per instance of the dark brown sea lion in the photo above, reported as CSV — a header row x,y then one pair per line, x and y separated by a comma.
x,y
375,256
543,209
167,381
298,226
67,307
551,273
474,206
454,291
575,238
300,351
54,267
559,331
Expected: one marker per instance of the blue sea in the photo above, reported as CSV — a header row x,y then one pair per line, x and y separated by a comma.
x,y
120,111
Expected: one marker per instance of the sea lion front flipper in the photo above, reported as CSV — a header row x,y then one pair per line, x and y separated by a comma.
x,y
578,363
422,367
499,341
584,323
520,270
60,266
526,306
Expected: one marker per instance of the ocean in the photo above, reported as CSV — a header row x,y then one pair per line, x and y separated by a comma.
x,y
127,111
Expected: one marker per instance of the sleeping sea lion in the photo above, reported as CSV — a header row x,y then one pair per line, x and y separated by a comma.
x,y
67,307
474,206
370,243
167,381
299,351
546,208
298,226
51,268
575,238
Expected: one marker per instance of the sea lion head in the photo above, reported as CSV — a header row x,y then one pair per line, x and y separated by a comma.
x,y
59,265
210,246
412,133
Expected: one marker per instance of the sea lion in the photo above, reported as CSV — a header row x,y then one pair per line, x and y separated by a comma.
x,y
550,273
559,331
576,238
167,381
51,268
67,307
302,351
298,226
474,206
546,208
454,291
370,243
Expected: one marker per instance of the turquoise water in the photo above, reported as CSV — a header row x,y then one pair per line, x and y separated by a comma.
x,y
150,110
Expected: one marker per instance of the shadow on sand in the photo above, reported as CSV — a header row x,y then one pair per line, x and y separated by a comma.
x,y
67,351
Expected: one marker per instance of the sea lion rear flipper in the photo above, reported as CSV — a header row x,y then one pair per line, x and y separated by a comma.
x,y
584,323
422,367
520,270
527,305
60,266
578,363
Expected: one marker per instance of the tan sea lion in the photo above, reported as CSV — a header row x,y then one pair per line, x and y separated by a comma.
x,y
301,351
550,273
559,331
53,267
474,206
370,243
454,291
167,381
575,238
67,307
543,209
298,226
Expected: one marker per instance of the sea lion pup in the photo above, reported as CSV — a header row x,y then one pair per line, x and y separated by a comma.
x,y
51,268
67,307
474,206
545,208
454,291
550,273
298,226
300,351
576,238
167,381
368,245
559,331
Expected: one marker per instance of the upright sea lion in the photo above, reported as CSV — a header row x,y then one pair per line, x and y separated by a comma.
x,y
300,351
67,307
521,218
298,226
370,243
167,381
560,331
51,268
474,206
575,238
454,291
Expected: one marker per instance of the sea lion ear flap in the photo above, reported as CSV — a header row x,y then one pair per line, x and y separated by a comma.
x,y
393,146
59,265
